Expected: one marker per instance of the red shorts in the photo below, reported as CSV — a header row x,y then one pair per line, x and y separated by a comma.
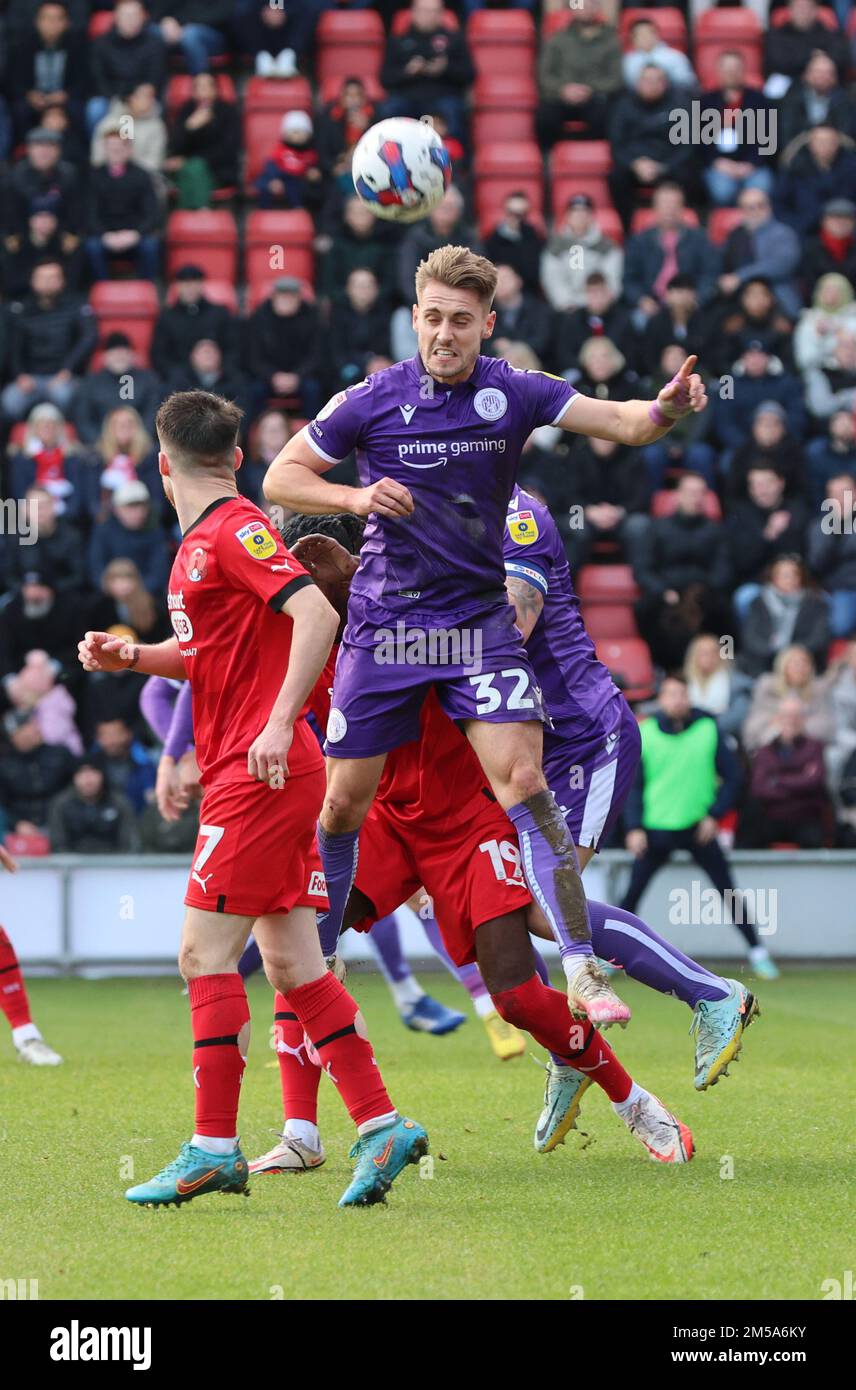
x,y
256,851
473,875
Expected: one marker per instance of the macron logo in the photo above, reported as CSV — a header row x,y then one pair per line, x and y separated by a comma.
x,y
407,413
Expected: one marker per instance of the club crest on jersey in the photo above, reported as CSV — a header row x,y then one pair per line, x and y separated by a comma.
x,y
257,540
523,528
337,726
196,565
490,403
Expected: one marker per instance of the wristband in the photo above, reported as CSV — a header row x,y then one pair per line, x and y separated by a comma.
x,y
132,664
656,414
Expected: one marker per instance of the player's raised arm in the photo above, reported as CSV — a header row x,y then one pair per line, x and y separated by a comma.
x,y
102,651
638,422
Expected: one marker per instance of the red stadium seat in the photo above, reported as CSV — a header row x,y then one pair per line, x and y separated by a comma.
x,y
217,291
665,502
606,584
401,20
643,218
629,661
610,224
505,92
726,24
100,23
206,238
502,42
490,126
580,166
670,24
501,169
349,43
127,306
825,14
266,232
278,94
721,223
612,621
563,189
261,137
180,89
707,56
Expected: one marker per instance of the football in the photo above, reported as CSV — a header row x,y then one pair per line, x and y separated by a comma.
x,y
401,169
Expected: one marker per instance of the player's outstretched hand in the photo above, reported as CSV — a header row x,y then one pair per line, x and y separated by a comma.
x,y
267,760
684,394
7,862
102,651
385,497
170,801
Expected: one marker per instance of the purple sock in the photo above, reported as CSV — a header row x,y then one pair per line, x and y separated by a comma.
x,y
467,975
624,938
551,870
339,854
250,961
386,939
541,968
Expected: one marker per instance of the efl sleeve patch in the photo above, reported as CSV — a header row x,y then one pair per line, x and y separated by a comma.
x,y
529,574
523,528
257,540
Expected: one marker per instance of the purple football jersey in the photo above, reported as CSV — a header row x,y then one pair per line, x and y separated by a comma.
x,y
457,449
576,686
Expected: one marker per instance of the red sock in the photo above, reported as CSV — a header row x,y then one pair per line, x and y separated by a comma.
x,y
218,1012
13,991
299,1074
336,1028
543,1013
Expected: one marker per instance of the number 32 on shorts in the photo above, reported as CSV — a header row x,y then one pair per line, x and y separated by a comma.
x,y
489,699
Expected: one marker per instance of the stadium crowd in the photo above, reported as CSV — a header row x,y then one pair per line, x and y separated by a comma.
x,y
727,551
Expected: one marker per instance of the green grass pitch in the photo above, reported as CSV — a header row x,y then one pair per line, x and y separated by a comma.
x,y
597,1219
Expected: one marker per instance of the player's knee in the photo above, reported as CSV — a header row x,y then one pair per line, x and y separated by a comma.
x,y
342,812
525,779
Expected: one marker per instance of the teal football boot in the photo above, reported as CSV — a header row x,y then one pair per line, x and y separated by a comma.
x,y
194,1173
381,1156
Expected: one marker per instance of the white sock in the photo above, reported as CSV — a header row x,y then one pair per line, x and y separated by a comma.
x,y
305,1132
757,953
406,992
622,1107
25,1033
379,1122
214,1146
572,963
484,1005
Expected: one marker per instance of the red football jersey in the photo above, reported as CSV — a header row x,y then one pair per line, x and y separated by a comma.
x,y
229,579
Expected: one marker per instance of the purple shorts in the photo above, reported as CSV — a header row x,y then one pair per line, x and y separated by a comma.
x,y
478,666
591,777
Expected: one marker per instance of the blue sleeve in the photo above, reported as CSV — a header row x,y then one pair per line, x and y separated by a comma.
x,y
337,428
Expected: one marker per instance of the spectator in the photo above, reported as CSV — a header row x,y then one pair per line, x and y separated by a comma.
x,y
769,444
291,176
53,334
126,605
834,248
817,99
41,240
715,683
605,480
833,387
682,567
753,313
119,379
32,772
123,212
822,168
130,532
362,243
189,319
785,46
358,328
38,615
444,224
840,761
277,37
284,346
47,458
600,316
678,320
207,372
520,316
761,246
131,53
514,241
756,376
644,153
577,250
579,69
48,69
89,818
42,182
793,677
833,309
685,446
666,249
125,453
647,48
341,125
832,454
143,110
603,371
56,546
268,438
73,145
788,796
832,553
127,765
198,27
666,812
761,528
735,161
427,68
204,143
785,611
34,690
